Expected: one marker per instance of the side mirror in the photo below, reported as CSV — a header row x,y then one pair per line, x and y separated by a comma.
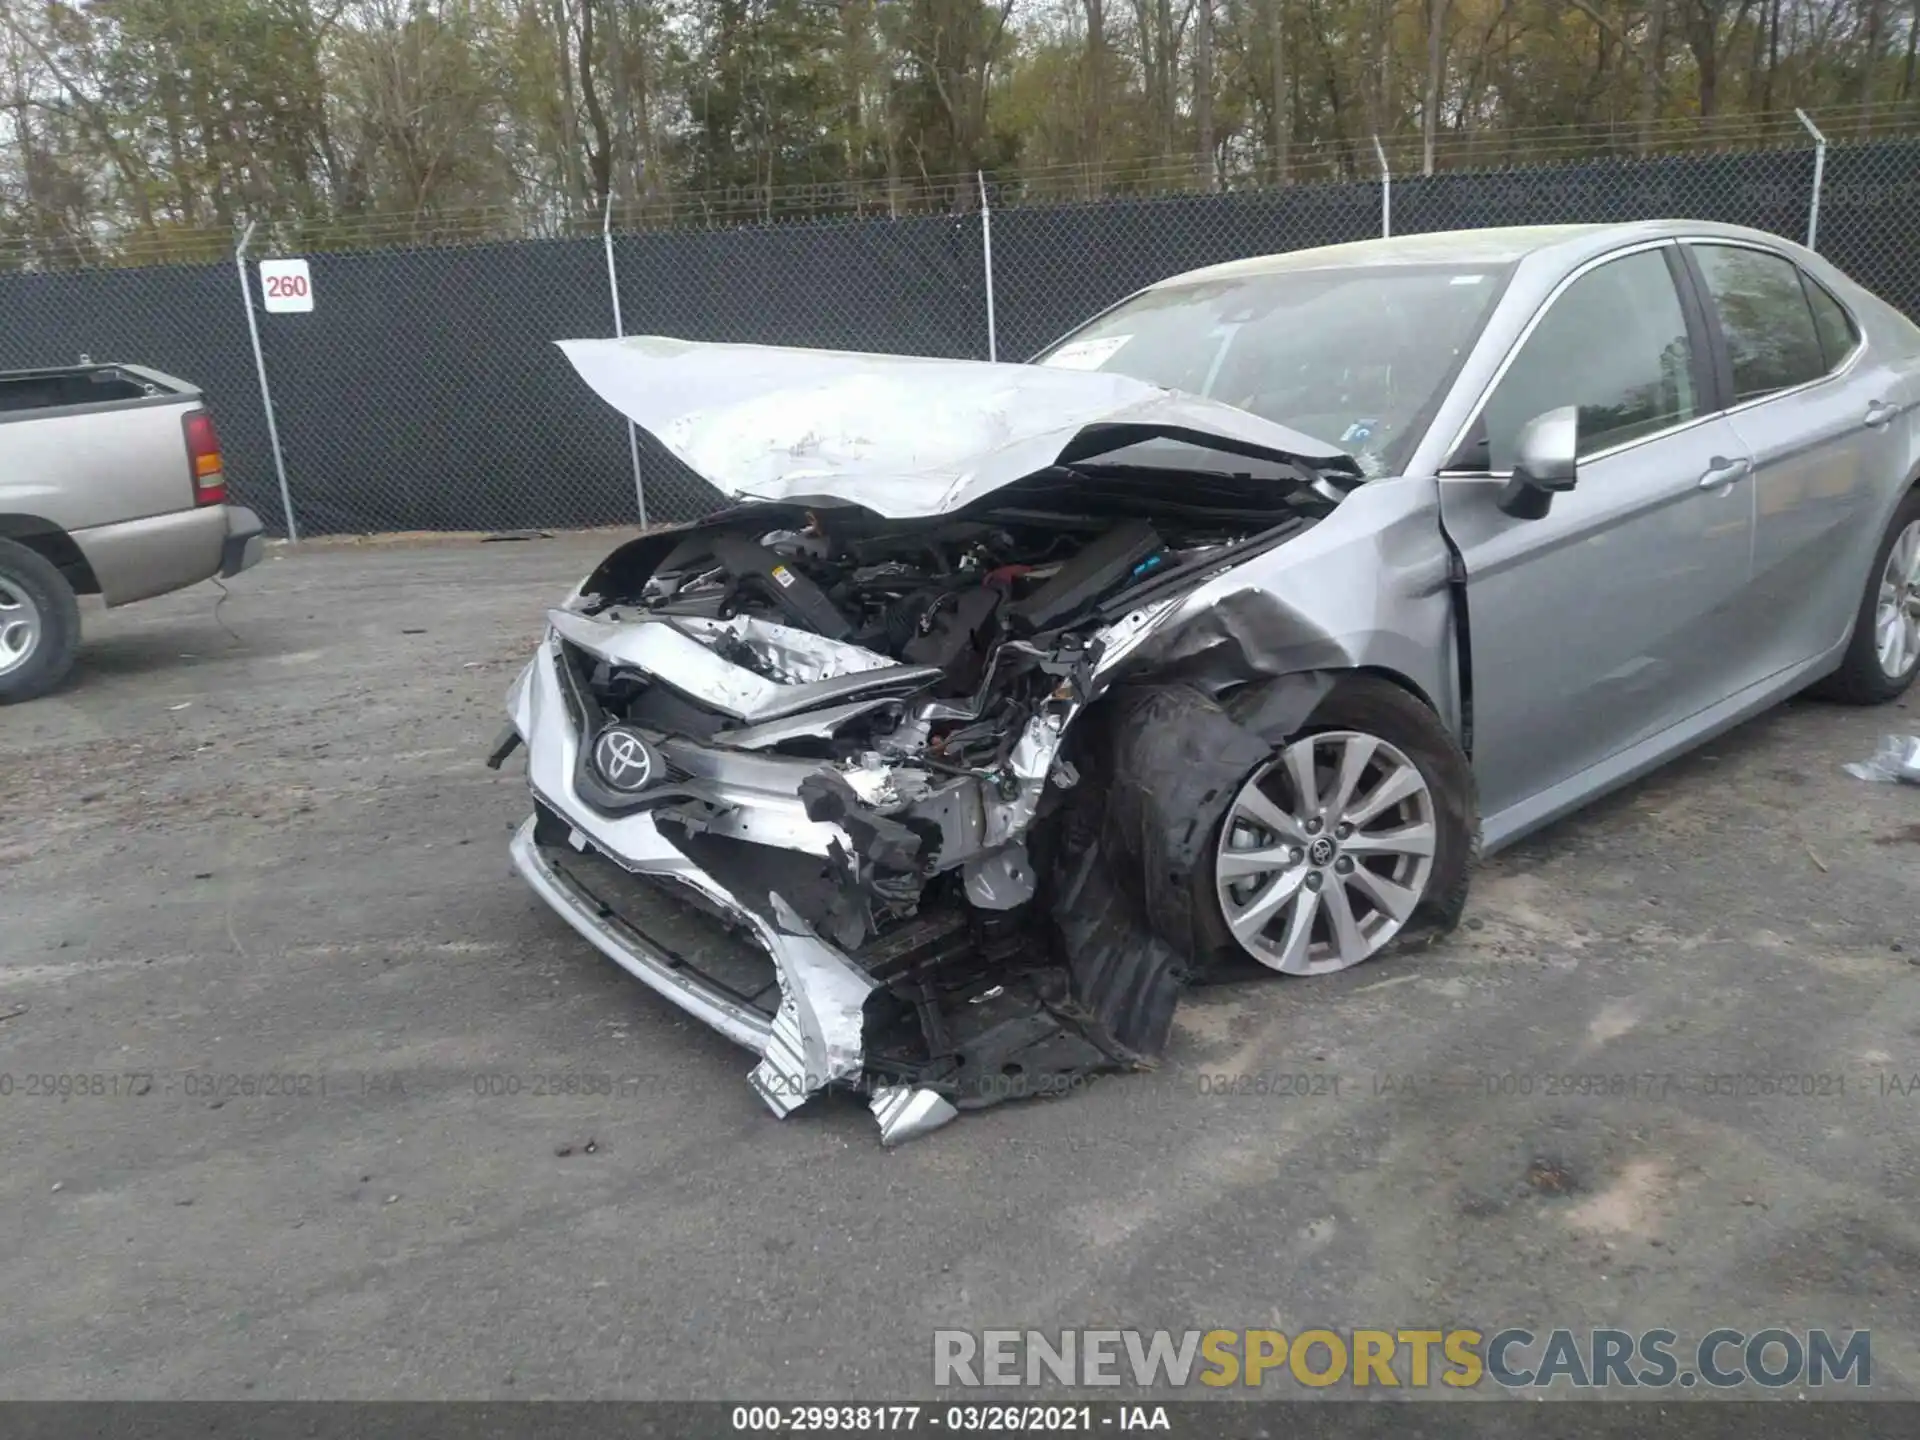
x,y
1545,462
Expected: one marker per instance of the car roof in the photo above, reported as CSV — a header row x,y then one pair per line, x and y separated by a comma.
x,y
1493,246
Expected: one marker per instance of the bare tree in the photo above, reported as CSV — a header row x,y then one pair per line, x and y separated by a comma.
x,y
1203,94
1281,120
1873,22
1705,24
1652,62
1430,108
1913,45
1093,132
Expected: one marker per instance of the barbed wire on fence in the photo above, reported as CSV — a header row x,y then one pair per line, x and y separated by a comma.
x,y
1349,160
422,392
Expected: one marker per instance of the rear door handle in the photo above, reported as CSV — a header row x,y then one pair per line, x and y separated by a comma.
x,y
1878,414
1724,472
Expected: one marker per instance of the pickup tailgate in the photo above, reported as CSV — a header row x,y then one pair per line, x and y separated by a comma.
x,y
85,467
126,462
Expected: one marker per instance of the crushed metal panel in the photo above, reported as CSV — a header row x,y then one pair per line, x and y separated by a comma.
x,y
901,435
674,650
816,1036
906,1112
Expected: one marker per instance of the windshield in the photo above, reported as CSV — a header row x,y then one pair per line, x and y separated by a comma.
x,y
1356,357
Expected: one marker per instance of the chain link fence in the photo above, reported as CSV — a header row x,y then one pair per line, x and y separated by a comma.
x,y
914,286
423,391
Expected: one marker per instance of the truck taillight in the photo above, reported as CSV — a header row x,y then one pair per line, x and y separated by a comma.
x,y
203,459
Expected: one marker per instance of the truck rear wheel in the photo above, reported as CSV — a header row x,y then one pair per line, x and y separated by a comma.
x,y
39,624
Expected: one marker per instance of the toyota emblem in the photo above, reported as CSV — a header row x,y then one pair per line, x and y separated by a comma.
x,y
624,760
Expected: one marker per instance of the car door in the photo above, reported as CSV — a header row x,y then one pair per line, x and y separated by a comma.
x,y
1813,409
1610,618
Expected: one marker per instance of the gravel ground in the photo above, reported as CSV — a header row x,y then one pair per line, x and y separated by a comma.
x,y
258,841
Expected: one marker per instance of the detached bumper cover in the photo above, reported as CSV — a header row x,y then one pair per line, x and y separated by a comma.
x,y
745,964
648,961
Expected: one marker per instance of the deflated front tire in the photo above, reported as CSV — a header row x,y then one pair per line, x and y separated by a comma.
x,y
1359,831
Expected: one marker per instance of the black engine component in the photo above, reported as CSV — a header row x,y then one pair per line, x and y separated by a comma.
x,y
1026,1040
884,842
655,707
949,634
1100,567
768,575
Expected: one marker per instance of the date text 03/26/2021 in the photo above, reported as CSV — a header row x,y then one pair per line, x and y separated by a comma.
x,y
949,1419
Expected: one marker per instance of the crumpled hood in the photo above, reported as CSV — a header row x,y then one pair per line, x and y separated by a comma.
x,y
901,435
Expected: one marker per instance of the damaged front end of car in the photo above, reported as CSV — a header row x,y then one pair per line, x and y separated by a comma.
x,y
912,803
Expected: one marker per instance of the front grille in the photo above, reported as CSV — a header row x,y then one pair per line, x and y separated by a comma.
x,y
573,665
669,920
596,692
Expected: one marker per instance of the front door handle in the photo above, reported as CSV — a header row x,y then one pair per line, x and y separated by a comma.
x,y
1878,414
1724,472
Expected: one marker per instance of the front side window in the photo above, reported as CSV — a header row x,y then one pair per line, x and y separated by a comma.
x,y
1614,343
1765,317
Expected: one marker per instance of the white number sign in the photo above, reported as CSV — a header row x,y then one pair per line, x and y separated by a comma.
x,y
286,286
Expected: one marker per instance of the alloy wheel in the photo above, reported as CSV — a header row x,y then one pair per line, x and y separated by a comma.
x,y
19,626
1896,627
1325,852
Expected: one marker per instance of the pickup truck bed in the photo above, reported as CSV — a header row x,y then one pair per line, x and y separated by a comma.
x,y
111,484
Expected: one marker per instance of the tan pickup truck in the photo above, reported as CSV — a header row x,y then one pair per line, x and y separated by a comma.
x,y
111,485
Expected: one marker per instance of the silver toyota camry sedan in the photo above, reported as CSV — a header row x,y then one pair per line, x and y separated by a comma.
x,y
1005,701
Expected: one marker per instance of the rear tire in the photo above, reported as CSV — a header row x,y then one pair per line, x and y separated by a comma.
x,y
1863,677
39,624
1362,715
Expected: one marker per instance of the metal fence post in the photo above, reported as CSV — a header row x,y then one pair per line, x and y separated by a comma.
x,y
260,369
1819,174
1386,191
986,247
620,333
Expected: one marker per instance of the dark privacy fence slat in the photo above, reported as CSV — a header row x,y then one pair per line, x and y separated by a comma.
x,y
914,286
424,391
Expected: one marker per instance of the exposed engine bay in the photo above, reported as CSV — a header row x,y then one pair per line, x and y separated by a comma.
x,y
912,771
870,723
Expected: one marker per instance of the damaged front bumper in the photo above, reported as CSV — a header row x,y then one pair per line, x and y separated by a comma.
x,y
746,964
813,1036
866,774
722,880
802,1016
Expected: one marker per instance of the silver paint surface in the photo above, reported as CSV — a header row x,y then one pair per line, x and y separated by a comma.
x,y
1646,612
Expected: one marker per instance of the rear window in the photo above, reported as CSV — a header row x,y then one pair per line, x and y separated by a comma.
x,y
57,391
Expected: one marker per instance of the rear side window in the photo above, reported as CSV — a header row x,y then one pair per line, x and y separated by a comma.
x,y
1765,317
54,391
1615,344
1834,326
